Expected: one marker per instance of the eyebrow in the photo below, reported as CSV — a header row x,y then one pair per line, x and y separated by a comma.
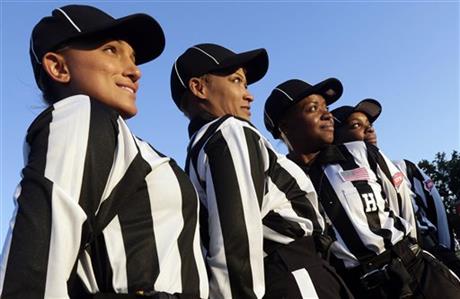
x,y
133,53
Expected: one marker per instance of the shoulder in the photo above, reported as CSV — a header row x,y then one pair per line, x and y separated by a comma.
x,y
235,130
73,114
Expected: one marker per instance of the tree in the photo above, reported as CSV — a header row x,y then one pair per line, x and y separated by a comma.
x,y
446,176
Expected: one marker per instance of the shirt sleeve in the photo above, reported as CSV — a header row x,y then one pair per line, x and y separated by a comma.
x,y
234,175
437,215
397,190
69,149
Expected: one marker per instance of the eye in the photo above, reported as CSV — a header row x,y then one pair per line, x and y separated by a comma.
x,y
110,49
355,125
237,80
313,108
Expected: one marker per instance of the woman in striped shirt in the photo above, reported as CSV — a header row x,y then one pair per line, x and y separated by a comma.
x,y
99,212
259,210
363,196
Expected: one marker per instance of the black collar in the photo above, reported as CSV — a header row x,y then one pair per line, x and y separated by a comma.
x,y
198,122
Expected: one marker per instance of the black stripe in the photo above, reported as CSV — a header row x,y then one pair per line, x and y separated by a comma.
x,y
136,224
193,153
337,215
233,226
256,160
275,222
26,269
375,158
102,140
298,197
189,270
363,187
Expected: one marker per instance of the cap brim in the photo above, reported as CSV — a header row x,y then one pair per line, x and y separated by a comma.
x,y
370,107
254,62
140,31
331,89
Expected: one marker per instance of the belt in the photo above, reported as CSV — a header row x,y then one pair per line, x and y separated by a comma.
x,y
142,295
393,262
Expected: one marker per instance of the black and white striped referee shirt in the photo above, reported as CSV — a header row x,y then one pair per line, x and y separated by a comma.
x,y
366,199
253,201
428,201
81,157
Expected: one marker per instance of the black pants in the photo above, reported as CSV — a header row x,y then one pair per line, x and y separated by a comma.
x,y
297,271
428,278
447,256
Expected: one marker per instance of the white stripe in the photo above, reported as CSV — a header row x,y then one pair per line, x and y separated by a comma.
x,y
33,51
67,143
165,196
269,118
69,19
9,237
125,153
209,55
116,252
86,273
282,91
233,131
304,283
177,73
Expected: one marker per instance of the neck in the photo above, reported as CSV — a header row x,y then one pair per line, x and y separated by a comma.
x,y
302,158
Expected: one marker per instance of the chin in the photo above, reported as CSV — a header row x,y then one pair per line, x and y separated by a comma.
x,y
126,114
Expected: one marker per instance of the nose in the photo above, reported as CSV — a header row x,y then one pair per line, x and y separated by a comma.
x,y
327,116
370,129
248,96
132,71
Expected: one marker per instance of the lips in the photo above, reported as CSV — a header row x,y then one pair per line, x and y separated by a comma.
x,y
129,88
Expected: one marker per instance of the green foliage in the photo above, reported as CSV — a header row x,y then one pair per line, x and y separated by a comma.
x,y
446,176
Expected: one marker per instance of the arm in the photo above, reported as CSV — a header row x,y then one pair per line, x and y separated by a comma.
x,y
234,175
436,211
395,187
45,236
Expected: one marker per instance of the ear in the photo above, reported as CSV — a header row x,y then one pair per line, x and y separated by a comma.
x,y
197,87
55,66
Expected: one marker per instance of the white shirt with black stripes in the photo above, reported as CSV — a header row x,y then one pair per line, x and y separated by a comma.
x,y
428,200
81,162
365,198
253,201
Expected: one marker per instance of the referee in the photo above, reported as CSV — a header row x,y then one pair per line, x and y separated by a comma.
x,y
363,196
259,212
356,123
99,212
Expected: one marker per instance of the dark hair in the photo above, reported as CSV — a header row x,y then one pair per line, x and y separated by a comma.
x,y
48,88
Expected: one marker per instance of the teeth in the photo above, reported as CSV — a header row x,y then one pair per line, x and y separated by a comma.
x,y
128,89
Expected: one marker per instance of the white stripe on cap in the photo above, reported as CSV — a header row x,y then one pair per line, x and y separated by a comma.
x,y
209,55
269,119
33,51
289,97
178,76
69,19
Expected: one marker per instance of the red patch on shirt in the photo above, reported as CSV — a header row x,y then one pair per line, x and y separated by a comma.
x,y
398,179
428,185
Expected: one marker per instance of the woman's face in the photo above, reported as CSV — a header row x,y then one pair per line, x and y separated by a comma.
x,y
107,73
229,95
309,125
356,128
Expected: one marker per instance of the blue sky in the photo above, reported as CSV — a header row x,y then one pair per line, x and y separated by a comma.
x,y
405,54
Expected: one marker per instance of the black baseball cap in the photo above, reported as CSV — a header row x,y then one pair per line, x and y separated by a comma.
x,y
292,91
78,22
370,107
214,59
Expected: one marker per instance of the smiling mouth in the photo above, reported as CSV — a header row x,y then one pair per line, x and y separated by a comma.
x,y
128,89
